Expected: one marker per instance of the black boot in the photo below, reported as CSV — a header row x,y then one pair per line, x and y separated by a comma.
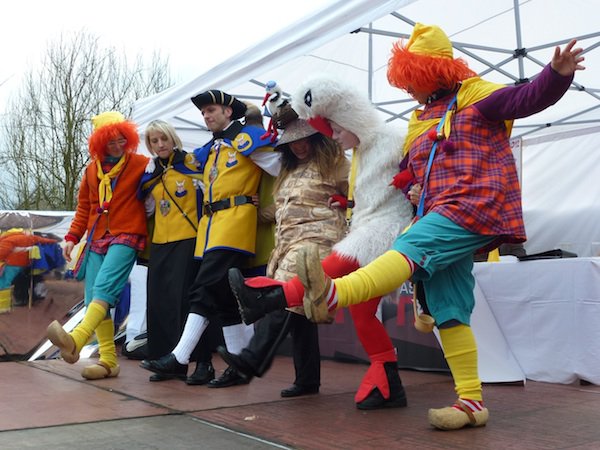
x,y
204,373
237,362
397,398
255,303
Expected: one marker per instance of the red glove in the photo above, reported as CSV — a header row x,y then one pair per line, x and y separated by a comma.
x,y
343,201
401,179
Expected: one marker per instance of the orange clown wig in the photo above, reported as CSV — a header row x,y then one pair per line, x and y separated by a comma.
x,y
426,63
110,126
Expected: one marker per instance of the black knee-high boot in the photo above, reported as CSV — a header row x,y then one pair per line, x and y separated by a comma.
x,y
255,302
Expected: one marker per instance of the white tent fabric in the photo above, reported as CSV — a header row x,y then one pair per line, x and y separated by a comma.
x,y
561,192
265,59
505,41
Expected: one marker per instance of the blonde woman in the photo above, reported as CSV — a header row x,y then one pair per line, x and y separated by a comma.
x,y
171,185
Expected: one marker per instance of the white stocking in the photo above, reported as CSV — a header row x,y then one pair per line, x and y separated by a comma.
x,y
192,332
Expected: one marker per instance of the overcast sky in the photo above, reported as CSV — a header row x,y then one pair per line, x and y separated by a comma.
x,y
194,35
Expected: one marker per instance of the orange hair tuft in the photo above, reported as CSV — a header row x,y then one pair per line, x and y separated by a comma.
x,y
425,73
99,139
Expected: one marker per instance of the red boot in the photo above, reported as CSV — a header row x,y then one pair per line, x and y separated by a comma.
x,y
381,386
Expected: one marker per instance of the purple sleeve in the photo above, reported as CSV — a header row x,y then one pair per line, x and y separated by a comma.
x,y
514,102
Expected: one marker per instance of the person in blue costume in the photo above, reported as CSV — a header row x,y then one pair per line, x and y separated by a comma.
x,y
232,163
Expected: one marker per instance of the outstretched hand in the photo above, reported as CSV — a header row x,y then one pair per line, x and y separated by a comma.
x,y
567,61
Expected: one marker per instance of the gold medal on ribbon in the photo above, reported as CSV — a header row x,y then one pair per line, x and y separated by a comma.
x,y
165,207
213,173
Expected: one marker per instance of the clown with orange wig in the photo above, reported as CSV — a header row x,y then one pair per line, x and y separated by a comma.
x,y
114,220
458,151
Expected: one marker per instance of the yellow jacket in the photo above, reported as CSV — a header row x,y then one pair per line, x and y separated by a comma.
x,y
174,184
228,171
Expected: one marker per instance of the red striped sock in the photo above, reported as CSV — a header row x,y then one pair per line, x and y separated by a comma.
x,y
473,405
332,298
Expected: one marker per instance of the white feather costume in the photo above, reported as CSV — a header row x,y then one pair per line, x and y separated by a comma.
x,y
380,211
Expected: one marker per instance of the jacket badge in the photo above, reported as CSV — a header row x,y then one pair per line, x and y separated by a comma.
x,y
232,160
243,142
181,190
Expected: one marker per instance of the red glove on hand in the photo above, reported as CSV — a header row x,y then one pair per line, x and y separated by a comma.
x,y
401,179
343,201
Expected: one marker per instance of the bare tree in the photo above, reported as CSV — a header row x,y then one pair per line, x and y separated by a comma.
x,y
47,123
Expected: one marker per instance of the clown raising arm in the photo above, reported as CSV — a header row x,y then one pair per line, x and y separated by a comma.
x,y
470,197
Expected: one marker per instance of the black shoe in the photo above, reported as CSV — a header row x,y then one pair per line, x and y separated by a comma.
x,y
296,391
204,373
237,362
155,377
230,377
397,399
166,365
255,303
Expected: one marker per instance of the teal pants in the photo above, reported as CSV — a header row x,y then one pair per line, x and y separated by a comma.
x,y
443,256
106,275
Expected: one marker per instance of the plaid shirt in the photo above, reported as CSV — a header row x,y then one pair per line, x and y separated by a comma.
x,y
475,182
135,241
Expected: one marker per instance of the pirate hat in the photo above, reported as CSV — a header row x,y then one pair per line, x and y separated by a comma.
x,y
216,97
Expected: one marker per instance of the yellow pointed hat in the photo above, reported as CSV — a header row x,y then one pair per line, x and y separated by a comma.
x,y
430,40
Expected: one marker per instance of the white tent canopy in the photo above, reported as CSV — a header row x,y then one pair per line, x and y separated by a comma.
x,y
506,41
286,57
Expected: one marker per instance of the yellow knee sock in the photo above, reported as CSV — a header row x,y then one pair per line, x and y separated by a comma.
x,y
93,316
380,277
460,351
105,332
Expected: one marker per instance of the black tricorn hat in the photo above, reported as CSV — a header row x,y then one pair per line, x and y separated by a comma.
x,y
215,97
